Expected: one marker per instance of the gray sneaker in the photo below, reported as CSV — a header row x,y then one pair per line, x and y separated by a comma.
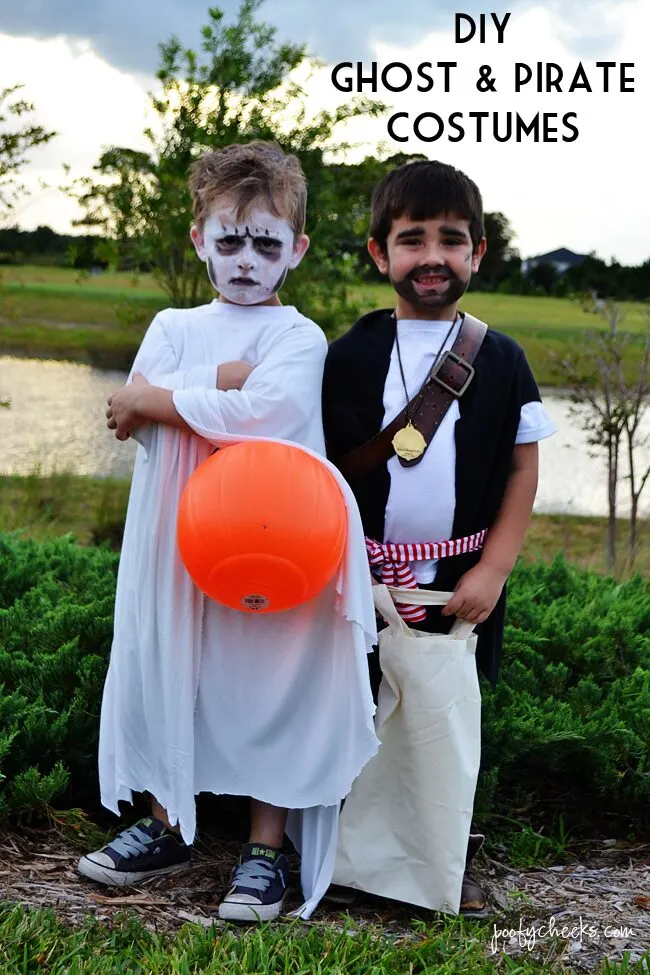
x,y
147,849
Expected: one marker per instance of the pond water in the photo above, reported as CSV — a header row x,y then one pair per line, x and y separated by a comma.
x,y
56,422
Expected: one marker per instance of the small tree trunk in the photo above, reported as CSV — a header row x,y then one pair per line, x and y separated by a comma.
x,y
632,541
612,479
634,497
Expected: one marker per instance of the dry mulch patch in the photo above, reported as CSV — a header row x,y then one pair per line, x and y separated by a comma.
x,y
575,914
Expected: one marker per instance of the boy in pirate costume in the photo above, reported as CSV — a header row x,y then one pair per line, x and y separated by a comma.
x,y
434,419
200,697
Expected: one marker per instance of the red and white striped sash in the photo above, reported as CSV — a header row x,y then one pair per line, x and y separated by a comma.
x,y
394,559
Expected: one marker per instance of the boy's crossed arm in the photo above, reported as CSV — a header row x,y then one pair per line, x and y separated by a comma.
x,y
279,397
142,402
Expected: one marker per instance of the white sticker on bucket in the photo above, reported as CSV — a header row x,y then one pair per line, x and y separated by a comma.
x,y
255,602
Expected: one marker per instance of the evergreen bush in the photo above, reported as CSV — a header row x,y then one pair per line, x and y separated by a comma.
x,y
56,620
568,726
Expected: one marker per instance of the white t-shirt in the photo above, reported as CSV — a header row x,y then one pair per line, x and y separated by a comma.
x,y
415,512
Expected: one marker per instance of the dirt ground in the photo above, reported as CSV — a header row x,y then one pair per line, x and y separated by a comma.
x,y
575,914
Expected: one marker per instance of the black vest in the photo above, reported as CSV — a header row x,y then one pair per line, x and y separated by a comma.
x,y
353,411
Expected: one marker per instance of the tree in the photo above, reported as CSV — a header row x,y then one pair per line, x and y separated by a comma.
x,y
236,89
18,134
608,375
348,208
500,258
638,403
544,275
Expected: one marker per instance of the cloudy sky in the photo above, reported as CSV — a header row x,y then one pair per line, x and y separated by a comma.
x,y
89,65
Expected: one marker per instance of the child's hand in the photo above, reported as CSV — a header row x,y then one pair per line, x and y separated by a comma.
x,y
233,375
124,412
476,594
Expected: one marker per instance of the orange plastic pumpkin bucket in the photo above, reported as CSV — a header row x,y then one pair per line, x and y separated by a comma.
x,y
262,526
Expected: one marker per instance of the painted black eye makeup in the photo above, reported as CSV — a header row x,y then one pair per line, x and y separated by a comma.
x,y
229,244
268,247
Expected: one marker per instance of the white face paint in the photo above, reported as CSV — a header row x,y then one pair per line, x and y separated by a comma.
x,y
247,259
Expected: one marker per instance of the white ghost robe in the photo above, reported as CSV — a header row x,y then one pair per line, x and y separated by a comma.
x,y
203,698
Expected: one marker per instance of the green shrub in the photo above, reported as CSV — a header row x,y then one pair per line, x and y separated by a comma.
x,y
56,608
568,726
569,722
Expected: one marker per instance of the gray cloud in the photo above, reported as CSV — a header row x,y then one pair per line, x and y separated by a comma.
x,y
127,34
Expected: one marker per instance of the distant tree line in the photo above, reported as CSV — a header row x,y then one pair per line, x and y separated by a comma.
x,y
592,275
500,269
45,246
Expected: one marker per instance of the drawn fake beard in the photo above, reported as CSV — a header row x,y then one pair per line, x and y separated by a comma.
x,y
439,296
240,290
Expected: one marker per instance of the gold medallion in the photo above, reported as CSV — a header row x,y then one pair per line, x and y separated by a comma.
x,y
409,442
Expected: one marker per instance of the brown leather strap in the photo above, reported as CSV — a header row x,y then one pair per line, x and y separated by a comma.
x,y
448,382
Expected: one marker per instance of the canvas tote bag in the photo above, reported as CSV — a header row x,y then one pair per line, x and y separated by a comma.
x,y
404,827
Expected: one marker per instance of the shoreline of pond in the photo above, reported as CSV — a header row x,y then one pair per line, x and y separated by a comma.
x,y
93,510
122,360
98,356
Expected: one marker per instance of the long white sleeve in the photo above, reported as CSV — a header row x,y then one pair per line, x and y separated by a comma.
x,y
279,396
156,355
202,376
157,361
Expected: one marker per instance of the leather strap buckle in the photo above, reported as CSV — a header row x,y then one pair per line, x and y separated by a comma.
x,y
456,360
430,404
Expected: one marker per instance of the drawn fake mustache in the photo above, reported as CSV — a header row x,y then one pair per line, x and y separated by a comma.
x,y
421,272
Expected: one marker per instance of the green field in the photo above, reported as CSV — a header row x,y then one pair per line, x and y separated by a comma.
x,y
59,313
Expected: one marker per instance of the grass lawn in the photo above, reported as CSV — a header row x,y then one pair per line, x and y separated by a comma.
x,y
56,312
35,941
45,278
92,509
542,326
502,311
524,312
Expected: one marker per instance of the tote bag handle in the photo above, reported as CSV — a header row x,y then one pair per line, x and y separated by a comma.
x,y
384,596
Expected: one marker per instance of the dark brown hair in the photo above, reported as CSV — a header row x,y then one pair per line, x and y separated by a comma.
x,y
424,190
250,173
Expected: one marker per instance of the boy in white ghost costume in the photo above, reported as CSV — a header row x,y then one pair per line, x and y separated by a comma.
x,y
200,697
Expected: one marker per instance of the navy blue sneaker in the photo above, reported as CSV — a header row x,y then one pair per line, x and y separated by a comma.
x,y
147,849
259,885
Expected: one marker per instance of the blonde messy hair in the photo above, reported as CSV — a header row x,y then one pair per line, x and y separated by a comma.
x,y
250,173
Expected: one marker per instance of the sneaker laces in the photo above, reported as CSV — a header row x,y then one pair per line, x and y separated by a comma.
x,y
133,840
255,874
